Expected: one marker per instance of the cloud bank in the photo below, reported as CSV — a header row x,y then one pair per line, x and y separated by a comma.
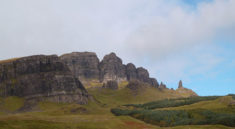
x,y
171,38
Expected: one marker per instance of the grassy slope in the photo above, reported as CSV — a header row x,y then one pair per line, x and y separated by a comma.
x,y
92,116
220,103
58,116
10,104
8,60
127,96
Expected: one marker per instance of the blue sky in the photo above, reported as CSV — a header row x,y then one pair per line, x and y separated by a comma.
x,y
189,40
219,79
195,2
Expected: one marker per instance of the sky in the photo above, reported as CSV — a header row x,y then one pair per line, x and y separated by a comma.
x,y
188,40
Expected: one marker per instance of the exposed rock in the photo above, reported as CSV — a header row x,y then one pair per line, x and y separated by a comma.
x,y
111,85
131,72
111,68
153,82
180,84
162,86
135,85
79,110
142,74
41,77
185,91
84,65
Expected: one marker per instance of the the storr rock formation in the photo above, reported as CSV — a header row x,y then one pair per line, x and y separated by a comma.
x,y
41,78
182,90
86,67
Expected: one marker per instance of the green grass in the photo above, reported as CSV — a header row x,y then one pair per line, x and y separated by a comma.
x,y
169,118
91,121
8,60
94,115
126,96
174,112
11,104
172,102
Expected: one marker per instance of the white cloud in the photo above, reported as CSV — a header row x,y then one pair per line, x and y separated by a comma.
x,y
158,34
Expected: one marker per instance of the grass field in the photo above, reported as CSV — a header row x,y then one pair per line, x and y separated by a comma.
x,y
94,115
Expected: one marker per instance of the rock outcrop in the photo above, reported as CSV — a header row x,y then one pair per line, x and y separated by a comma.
x,y
57,79
136,85
162,86
84,65
111,68
185,91
142,74
131,72
41,78
111,85
180,84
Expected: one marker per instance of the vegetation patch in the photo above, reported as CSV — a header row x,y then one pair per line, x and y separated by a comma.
x,y
11,104
165,118
172,102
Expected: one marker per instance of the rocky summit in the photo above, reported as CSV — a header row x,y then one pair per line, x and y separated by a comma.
x,y
180,84
182,90
111,68
41,78
86,67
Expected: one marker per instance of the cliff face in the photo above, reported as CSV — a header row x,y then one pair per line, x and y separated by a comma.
x,y
58,79
111,68
86,66
41,78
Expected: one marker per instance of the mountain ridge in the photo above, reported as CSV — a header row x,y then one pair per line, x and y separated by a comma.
x,y
62,78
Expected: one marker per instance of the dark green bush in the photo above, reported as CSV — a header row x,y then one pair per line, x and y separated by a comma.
x,y
179,117
172,102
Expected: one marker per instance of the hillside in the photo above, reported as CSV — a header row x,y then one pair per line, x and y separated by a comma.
x,y
211,110
78,91
50,115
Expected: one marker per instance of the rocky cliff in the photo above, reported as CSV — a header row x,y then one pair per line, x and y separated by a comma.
x,y
58,79
111,68
41,78
86,66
